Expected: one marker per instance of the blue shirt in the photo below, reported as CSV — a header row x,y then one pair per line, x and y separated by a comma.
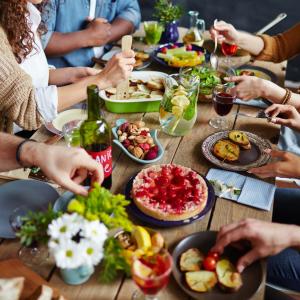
x,y
70,15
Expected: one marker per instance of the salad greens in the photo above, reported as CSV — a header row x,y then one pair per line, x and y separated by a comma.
x,y
209,78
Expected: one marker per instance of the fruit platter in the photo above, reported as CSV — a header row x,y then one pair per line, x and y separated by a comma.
x,y
179,55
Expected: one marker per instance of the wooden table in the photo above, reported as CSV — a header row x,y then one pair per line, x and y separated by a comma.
x,y
180,150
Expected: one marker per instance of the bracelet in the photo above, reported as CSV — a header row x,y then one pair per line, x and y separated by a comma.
x,y
287,97
19,149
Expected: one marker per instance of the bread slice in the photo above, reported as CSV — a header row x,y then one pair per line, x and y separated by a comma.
x,y
11,289
201,281
229,279
240,138
226,150
44,292
191,260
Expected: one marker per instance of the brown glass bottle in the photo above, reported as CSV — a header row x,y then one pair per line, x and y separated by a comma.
x,y
95,135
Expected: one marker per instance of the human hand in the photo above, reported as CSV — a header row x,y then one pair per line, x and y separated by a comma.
x,y
78,73
117,69
286,115
247,88
265,238
287,165
225,33
98,32
67,167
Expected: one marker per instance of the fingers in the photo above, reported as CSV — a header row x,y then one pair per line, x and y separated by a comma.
x,y
225,229
127,54
68,184
247,259
265,171
101,20
94,168
235,78
280,121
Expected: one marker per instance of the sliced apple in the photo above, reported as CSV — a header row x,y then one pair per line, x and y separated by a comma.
x,y
191,260
229,279
201,281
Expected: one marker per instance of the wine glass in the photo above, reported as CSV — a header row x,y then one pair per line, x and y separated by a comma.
x,y
151,274
228,50
31,255
71,133
223,102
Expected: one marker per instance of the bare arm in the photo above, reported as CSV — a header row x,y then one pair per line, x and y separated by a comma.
x,y
119,28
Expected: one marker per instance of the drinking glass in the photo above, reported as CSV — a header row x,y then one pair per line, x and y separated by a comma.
x,y
71,133
151,285
31,255
176,119
223,102
228,50
153,32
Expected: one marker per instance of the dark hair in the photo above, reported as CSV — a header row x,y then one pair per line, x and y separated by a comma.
x,y
14,20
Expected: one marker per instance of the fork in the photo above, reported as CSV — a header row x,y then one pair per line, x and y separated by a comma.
x,y
213,56
260,115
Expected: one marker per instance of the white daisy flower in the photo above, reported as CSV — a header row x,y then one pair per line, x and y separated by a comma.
x,y
95,231
92,252
68,255
64,227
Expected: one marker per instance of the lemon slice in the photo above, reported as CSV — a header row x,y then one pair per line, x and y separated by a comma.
x,y
142,237
141,270
182,101
177,110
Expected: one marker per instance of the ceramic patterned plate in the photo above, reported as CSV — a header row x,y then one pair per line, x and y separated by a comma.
x,y
252,276
134,210
255,157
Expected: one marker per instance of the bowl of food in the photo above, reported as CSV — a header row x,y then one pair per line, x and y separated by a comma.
x,y
146,90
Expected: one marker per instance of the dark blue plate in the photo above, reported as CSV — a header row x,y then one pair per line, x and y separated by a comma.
x,y
134,210
169,46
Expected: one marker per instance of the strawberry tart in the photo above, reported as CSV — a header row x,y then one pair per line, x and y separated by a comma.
x,y
169,192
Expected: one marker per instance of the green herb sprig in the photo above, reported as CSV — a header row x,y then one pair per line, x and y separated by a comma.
x,y
166,12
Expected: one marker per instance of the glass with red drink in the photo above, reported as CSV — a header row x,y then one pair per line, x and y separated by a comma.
x,y
223,99
228,50
151,274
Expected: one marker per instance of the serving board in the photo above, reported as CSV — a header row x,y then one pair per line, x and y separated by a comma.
x,y
15,268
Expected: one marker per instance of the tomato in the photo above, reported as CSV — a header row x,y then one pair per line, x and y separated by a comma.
x,y
209,264
189,47
214,255
164,50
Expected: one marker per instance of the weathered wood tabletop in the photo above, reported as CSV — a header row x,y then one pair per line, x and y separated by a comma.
x,y
180,150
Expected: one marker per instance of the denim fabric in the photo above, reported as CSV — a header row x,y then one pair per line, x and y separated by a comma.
x,y
284,269
70,15
287,206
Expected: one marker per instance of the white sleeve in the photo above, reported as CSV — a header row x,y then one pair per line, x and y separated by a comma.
x,y
47,100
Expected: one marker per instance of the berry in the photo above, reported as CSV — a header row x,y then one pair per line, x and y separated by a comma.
x,y
164,50
199,53
189,47
174,46
151,155
144,133
124,126
155,148
126,143
145,147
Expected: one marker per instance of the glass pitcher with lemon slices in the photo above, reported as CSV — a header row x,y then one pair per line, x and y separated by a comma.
x,y
178,109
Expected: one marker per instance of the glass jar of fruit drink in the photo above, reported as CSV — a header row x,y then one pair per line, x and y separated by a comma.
x,y
151,274
178,109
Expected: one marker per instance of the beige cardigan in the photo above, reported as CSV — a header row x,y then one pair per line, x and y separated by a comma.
x,y
17,94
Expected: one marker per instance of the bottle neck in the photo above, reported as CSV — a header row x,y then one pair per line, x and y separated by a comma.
x,y
94,108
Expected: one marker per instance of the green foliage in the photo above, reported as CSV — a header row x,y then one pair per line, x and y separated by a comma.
x,y
166,12
102,205
35,226
113,261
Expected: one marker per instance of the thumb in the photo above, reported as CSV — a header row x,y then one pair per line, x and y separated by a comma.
x,y
89,19
102,20
247,260
71,186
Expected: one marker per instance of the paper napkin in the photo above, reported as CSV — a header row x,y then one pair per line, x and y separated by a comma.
x,y
254,192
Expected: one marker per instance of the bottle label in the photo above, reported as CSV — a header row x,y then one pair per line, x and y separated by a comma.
x,y
105,159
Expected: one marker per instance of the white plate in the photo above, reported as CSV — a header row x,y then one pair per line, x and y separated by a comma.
x,y
145,76
56,126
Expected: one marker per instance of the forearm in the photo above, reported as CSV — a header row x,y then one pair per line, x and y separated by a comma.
x,y
29,154
294,233
74,93
63,43
251,43
275,94
119,28
60,76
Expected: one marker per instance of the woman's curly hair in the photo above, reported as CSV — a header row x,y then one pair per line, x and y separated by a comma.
x,y
14,20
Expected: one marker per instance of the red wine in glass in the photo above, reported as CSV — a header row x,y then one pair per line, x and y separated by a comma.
x,y
223,103
229,49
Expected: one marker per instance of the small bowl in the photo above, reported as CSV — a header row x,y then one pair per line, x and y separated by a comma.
x,y
153,133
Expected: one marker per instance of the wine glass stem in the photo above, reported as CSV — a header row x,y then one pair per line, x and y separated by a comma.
x,y
151,297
